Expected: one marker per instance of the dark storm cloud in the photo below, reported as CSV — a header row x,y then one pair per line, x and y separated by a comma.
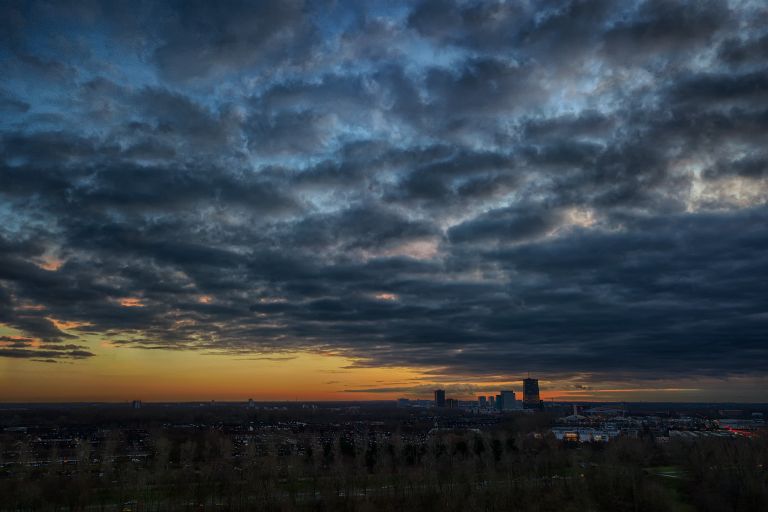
x,y
719,88
477,24
204,38
21,348
51,355
738,51
506,225
458,178
478,188
666,28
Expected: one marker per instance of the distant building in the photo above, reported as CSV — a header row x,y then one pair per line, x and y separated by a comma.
x,y
585,434
403,402
251,403
451,403
531,398
507,401
482,402
439,398
136,404
492,402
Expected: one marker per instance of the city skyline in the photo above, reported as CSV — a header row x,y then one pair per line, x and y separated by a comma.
x,y
317,200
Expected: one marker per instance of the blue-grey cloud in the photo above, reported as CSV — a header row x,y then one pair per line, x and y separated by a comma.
x,y
471,187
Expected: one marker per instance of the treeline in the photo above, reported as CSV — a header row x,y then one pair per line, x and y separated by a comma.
x,y
726,475
500,471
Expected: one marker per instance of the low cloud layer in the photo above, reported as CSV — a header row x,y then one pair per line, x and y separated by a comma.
x,y
473,188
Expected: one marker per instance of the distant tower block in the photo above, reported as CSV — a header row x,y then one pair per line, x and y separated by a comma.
x,y
439,398
506,401
136,404
531,398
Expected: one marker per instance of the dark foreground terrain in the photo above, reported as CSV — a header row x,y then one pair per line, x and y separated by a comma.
x,y
359,458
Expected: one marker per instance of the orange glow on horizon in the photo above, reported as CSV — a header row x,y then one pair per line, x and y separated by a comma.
x,y
119,371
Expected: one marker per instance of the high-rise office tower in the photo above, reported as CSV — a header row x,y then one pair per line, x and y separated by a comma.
x,y
531,399
439,398
492,402
482,402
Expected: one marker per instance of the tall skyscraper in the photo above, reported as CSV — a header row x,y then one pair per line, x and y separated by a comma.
x,y
439,398
492,402
482,402
531,399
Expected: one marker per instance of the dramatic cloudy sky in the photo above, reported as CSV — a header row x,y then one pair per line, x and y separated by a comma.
x,y
403,194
